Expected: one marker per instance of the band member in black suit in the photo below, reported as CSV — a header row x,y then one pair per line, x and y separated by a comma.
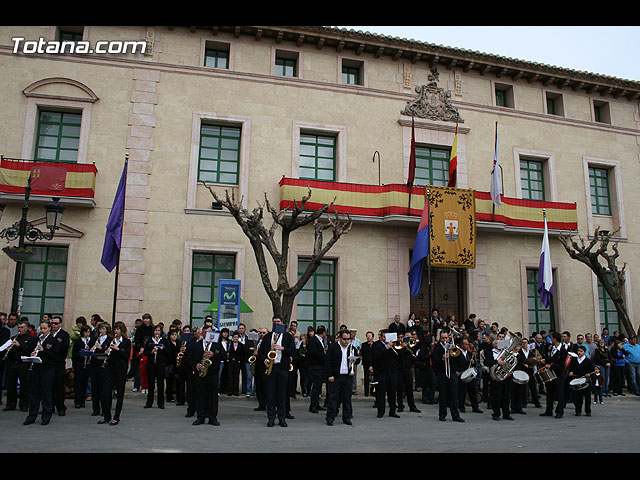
x,y
406,362
98,346
461,363
500,390
171,370
277,370
397,327
16,370
236,363
341,362
367,367
555,359
182,372
259,375
316,356
581,367
156,351
385,373
42,376
80,364
206,378
58,384
571,349
116,366
447,379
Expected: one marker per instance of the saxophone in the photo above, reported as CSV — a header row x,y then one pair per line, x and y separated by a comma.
x,y
499,372
206,363
272,355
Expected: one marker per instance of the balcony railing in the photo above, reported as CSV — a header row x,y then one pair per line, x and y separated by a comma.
x,y
74,183
390,204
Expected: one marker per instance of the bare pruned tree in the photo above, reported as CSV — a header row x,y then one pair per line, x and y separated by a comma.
x,y
608,273
261,238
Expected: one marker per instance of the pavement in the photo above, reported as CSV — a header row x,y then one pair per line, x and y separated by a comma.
x,y
612,428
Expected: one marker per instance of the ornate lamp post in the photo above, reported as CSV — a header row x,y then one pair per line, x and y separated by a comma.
x,y
23,230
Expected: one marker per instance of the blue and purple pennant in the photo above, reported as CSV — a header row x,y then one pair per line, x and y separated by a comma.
x,y
545,272
420,251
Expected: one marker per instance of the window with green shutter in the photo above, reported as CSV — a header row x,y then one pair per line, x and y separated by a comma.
x,y
219,155
317,157
316,300
599,189
608,312
206,272
58,136
540,317
43,282
432,166
532,179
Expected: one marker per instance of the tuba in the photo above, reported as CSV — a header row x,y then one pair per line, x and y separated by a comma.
x,y
499,372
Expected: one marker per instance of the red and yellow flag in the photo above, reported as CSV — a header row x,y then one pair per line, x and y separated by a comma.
x,y
453,161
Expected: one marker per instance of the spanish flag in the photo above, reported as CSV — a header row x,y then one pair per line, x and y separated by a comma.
x,y
453,161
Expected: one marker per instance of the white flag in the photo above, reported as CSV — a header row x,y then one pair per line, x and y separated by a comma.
x,y
496,187
545,272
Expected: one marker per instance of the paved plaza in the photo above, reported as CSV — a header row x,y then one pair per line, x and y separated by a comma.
x,y
612,428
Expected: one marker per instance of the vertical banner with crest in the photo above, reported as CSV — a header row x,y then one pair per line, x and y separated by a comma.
x,y
452,227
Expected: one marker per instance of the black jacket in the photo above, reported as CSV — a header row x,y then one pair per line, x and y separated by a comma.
x,y
26,347
288,349
334,359
315,351
195,353
50,352
119,360
65,341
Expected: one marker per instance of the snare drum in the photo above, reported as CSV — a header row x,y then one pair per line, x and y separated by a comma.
x,y
469,375
578,383
546,375
520,377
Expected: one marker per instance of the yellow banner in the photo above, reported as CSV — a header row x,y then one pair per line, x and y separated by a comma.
x,y
452,229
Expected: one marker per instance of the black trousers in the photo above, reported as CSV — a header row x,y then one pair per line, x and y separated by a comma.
x,y
448,395
42,377
469,389
500,397
190,380
581,397
316,376
18,371
155,374
277,384
97,381
182,385
80,383
234,377
386,390
405,388
113,378
339,392
206,395
555,392
58,387
517,396
261,388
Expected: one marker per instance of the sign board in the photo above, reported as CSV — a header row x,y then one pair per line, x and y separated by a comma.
x,y
228,304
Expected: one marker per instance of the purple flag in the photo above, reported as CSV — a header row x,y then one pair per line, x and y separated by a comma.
x,y
113,238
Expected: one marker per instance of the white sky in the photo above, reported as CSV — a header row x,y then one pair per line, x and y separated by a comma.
x,y
607,50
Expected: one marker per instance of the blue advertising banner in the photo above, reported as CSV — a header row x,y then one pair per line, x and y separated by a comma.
x,y
228,304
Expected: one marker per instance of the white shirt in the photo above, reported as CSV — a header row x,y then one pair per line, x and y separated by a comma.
x,y
277,341
344,363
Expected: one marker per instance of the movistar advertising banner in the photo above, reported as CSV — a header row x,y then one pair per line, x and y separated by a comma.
x,y
229,304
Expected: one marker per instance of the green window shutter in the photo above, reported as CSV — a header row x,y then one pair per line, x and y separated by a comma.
x,y
219,154
43,280
316,300
599,189
206,271
317,157
540,317
532,179
432,166
58,136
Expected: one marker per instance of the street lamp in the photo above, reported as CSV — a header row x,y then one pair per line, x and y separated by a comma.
x,y
23,230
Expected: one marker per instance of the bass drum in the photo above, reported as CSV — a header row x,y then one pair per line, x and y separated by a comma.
x,y
545,375
469,375
520,377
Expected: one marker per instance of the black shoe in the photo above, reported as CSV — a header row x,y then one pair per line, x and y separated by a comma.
x,y
313,410
44,422
380,414
496,417
62,413
95,414
28,422
400,409
558,415
214,421
508,417
578,414
519,412
161,406
282,423
147,406
394,415
198,421
189,415
442,419
329,422
546,414
102,422
270,423
477,410
588,414
347,422
458,419
259,409
289,416
414,410
8,409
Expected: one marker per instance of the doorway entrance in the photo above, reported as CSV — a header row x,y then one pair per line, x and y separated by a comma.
x,y
447,293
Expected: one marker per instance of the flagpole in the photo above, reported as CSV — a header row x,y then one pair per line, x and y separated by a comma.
x,y
412,166
428,206
115,286
495,146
